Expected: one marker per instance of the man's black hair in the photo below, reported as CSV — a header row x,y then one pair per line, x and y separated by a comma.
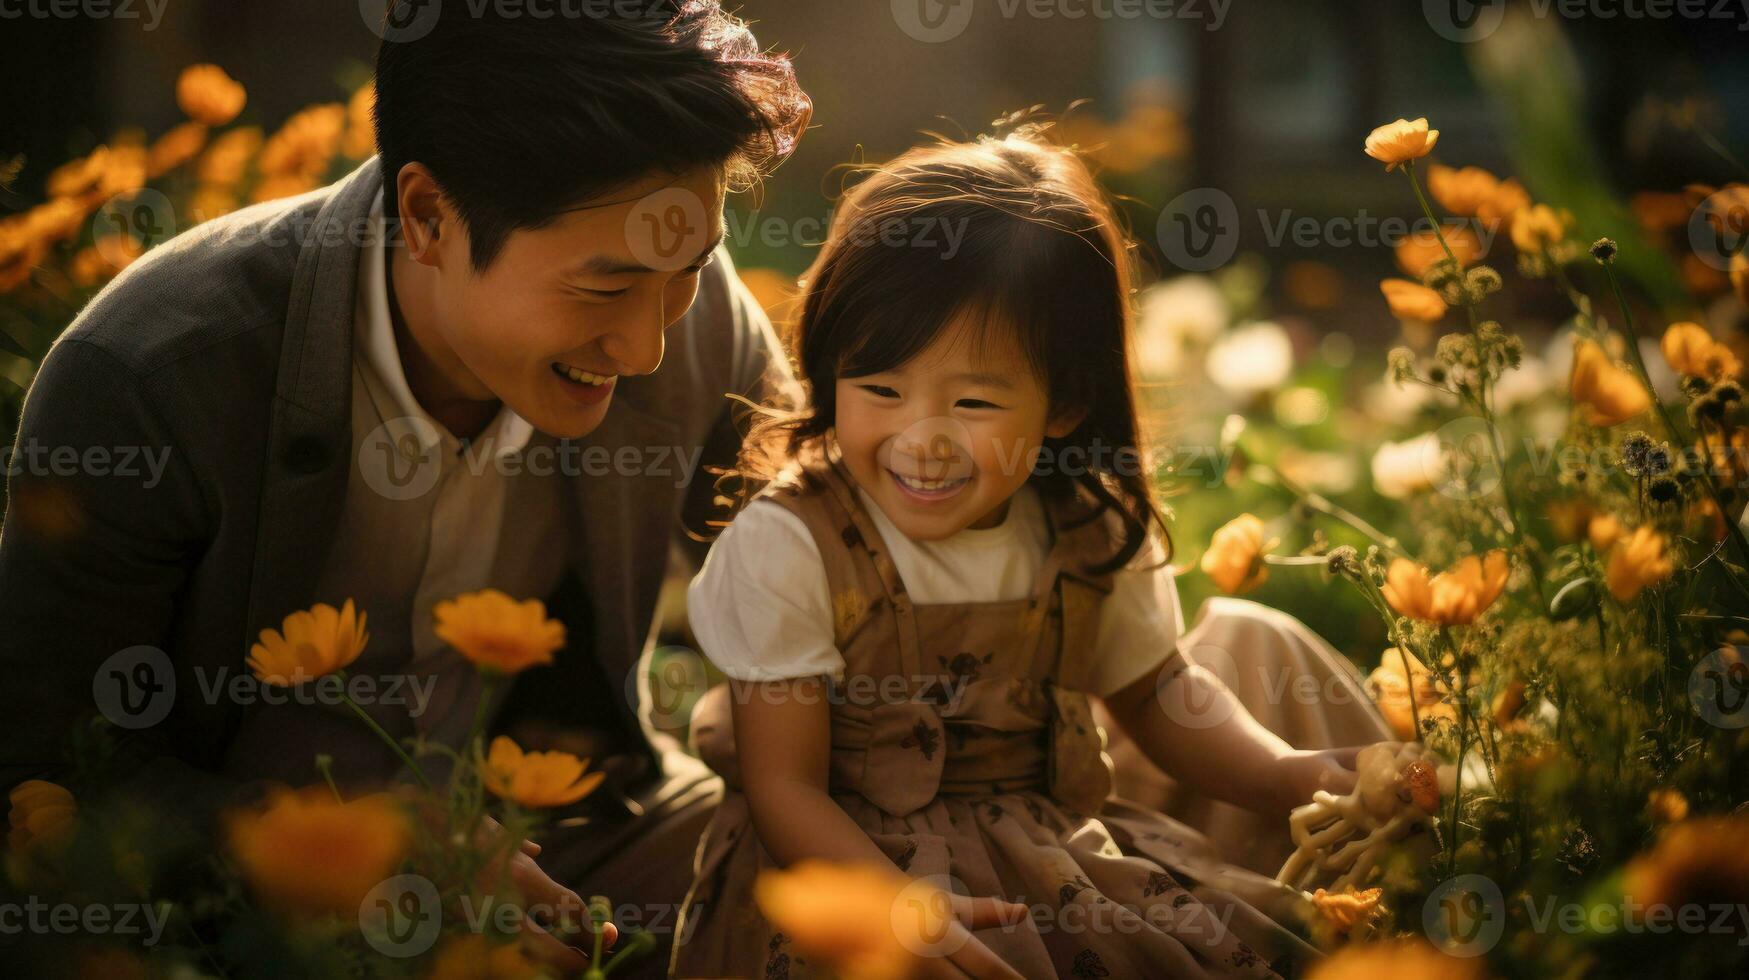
x,y
520,118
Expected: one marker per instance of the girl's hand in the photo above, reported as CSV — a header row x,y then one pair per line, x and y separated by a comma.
x,y
1304,772
970,956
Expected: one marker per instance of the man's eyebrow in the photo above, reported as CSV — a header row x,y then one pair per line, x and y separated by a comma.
x,y
603,265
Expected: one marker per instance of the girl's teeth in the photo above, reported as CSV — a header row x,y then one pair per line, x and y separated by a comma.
x,y
582,377
916,484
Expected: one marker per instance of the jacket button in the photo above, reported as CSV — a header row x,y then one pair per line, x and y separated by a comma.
x,y
306,454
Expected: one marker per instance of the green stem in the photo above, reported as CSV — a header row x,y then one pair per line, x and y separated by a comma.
x,y
388,739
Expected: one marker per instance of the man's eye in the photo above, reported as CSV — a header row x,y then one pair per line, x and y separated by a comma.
x,y
881,390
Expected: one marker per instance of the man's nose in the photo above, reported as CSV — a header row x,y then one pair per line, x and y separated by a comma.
x,y
637,347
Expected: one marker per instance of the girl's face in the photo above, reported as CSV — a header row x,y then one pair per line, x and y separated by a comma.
x,y
943,441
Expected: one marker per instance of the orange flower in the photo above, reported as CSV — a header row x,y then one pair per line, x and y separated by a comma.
x,y
1691,350
1421,777
1508,199
1701,860
1408,959
306,143
1400,142
309,644
41,815
1462,192
470,956
536,779
225,159
53,221
1451,598
1611,395
103,258
307,854
497,633
1412,301
175,148
210,201
1604,531
208,95
1539,227
1740,276
361,133
1419,250
1637,561
1660,211
1389,686
1667,805
20,252
1346,909
275,186
1234,558
863,921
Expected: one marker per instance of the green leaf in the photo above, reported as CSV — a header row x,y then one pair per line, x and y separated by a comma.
x,y
11,346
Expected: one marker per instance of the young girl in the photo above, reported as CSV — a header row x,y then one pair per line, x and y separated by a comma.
x,y
961,549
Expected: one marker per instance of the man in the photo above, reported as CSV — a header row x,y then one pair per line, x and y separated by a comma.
x,y
436,376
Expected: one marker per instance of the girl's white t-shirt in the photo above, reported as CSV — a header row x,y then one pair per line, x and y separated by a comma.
x,y
762,610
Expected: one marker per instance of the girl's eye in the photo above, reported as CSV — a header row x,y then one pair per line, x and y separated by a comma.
x,y
881,390
976,403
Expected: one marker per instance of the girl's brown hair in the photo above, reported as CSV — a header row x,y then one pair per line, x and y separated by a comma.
x,y
1016,232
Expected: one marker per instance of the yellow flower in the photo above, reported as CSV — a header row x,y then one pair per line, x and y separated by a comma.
x,y
1740,276
1346,909
497,633
307,854
19,254
1696,861
471,956
208,95
361,134
1539,227
1234,558
1691,350
1611,395
1401,141
1637,561
1667,805
1419,250
210,201
309,644
536,779
863,921
275,186
225,159
1508,199
1462,192
1451,598
41,815
53,221
1408,959
305,144
1412,301
175,148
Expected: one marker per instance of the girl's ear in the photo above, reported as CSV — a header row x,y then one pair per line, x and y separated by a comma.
x,y
1064,422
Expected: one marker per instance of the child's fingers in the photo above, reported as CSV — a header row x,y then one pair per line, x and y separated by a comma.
x,y
983,913
975,959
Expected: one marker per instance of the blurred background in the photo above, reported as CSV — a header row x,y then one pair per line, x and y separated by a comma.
x,y
1260,106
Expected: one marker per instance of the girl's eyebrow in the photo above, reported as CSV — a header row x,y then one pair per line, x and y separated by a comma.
x,y
984,378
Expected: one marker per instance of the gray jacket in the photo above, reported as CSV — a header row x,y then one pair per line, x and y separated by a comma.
x,y
183,456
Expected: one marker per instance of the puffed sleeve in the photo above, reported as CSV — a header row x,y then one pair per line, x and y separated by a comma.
x,y
1139,626
760,606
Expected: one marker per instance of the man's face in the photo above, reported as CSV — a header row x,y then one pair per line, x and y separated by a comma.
x,y
563,311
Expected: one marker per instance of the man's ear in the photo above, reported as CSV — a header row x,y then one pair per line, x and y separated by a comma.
x,y
1063,422
427,223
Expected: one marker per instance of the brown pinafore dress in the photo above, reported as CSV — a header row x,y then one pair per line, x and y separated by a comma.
x,y
986,767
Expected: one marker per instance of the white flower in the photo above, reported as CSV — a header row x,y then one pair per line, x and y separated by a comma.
x,y
1173,317
1402,469
1522,384
1254,358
